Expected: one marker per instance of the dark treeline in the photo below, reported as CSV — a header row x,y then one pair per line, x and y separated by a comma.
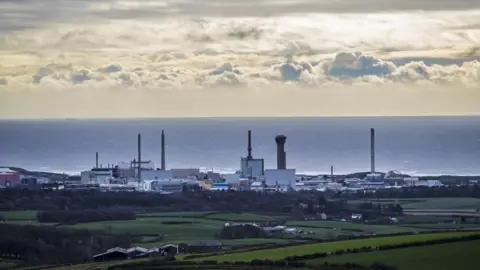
x,y
89,215
245,201
52,245
253,264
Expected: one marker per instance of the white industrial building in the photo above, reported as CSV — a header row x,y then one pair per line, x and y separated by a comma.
x,y
156,174
97,176
252,168
282,178
185,173
173,185
232,178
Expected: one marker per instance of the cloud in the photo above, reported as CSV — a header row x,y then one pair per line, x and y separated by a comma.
x,y
197,71
245,49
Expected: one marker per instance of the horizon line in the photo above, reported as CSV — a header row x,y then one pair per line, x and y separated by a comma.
x,y
66,118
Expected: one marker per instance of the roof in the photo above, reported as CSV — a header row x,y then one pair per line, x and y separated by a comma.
x,y
140,249
6,170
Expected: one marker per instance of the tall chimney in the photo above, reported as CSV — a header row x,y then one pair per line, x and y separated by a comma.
x,y
96,159
331,172
249,148
372,150
139,161
281,155
163,151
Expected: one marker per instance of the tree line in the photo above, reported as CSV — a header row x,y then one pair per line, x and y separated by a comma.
x,y
243,201
253,264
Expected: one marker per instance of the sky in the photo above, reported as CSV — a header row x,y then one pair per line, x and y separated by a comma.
x,y
247,58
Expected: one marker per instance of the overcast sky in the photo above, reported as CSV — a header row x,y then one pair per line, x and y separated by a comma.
x,y
65,58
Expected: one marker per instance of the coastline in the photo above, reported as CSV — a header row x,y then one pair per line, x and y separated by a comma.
x,y
442,177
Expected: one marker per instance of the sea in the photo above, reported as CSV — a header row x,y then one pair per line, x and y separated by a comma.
x,y
412,145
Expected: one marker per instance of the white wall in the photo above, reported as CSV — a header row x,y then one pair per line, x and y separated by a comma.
x,y
282,177
156,175
232,178
185,173
252,168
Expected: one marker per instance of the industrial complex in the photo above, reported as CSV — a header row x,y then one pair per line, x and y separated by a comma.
x,y
142,175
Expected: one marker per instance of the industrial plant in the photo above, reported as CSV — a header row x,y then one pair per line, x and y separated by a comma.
x,y
142,175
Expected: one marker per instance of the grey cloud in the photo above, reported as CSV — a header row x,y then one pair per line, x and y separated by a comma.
x,y
21,14
358,64
80,76
111,68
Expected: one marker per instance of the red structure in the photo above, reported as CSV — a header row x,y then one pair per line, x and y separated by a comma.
x,y
9,177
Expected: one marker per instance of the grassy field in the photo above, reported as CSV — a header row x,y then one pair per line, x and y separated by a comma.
x,y
237,242
339,225
460,255
429,203
243,217
280,253
445,203
19,215
173,214
447,226
173,229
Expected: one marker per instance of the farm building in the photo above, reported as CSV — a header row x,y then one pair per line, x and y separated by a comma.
x,y
118,253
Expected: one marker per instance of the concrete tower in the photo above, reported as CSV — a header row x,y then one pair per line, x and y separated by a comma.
x,y
372,150
163,152
281,155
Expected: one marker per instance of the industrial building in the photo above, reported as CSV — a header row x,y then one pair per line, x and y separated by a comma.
x,y
280,178
9,178
252,168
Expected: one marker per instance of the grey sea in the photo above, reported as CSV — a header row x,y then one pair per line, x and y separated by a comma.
x,y
414,145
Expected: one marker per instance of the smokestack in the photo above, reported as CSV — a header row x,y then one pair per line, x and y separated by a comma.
x,y
331,171
96,160
163,151
372,150
281,155
249,148
139,161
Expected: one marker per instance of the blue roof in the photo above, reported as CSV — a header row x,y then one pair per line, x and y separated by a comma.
x,y
220,185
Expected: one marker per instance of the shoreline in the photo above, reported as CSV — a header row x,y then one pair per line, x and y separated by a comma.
x,y
444,177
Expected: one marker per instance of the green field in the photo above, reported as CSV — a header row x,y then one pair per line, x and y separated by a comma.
x,y
237,242
429,203
189,229
280,253
19,215
447,226
445,203
243,217
460,255
173,214
339,225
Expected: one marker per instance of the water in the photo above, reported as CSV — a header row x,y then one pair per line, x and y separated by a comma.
x,y
415,145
